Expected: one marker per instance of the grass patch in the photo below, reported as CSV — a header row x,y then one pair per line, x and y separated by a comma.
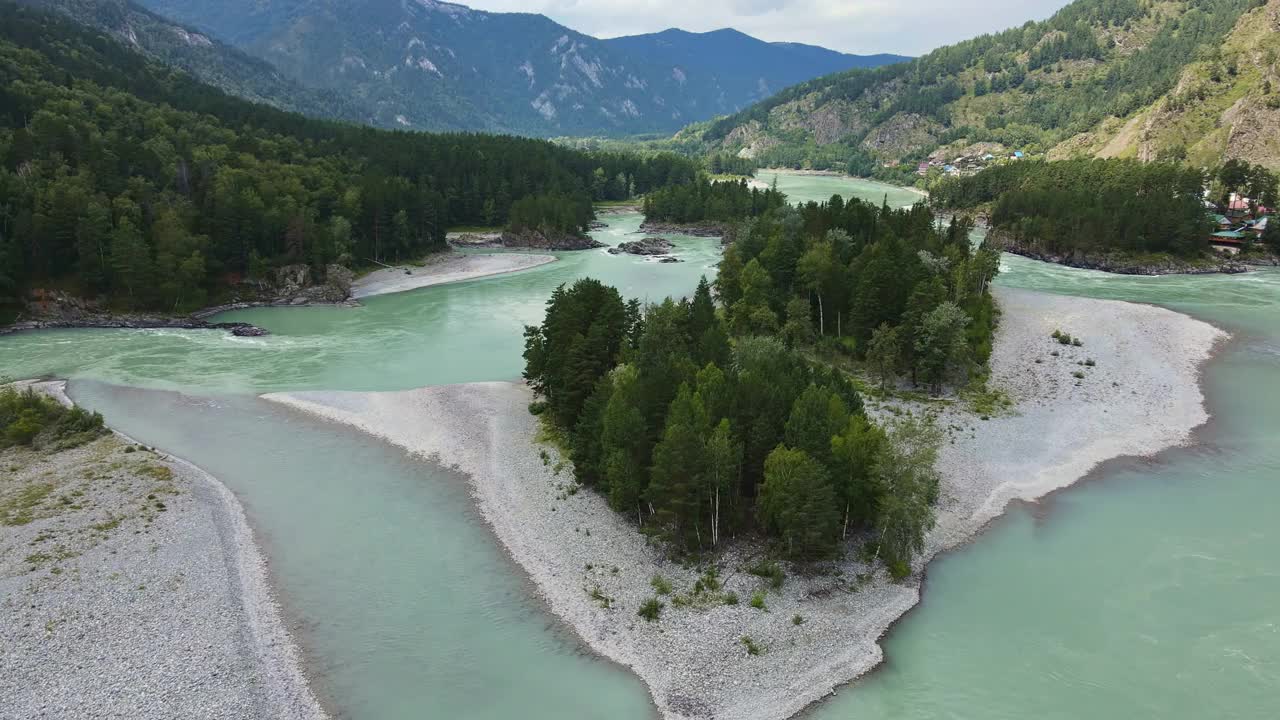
x,y
661,585
757,601
21,508
750,645
604,601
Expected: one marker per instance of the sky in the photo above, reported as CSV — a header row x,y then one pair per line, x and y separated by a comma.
x,y
907,27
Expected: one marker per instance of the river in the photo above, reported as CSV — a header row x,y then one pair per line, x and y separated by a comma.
x,y
1149,591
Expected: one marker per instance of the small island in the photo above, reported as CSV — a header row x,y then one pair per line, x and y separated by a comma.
x,y
736,494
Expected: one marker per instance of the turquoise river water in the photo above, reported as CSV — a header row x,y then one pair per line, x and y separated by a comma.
x,y
1150,591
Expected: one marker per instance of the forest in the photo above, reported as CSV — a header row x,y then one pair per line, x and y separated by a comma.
x,y
1085,206
125,179
708,200
734,413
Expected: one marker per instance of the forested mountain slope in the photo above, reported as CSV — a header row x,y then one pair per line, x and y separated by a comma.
x,y
208,59
1030,88
432,65
1225,105
123,178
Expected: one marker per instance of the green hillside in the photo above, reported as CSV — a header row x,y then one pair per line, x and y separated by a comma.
x,y
1041,87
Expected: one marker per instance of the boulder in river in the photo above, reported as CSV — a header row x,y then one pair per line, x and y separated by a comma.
x,y
539,240
647,246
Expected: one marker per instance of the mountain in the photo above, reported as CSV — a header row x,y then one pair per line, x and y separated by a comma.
x,y
1225,105
209,60
1099,77
744,67
432,65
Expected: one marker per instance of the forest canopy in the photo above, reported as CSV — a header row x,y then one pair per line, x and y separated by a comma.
x,y
1084,206
733,411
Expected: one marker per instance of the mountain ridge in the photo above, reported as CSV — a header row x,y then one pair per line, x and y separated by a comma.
x,y
1075,84
424,64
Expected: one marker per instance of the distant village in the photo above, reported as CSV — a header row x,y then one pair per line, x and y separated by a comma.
x,y
1240,223
974,159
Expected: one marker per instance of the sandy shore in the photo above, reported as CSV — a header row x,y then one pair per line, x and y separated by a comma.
x,y
447,268
1140,397
132,588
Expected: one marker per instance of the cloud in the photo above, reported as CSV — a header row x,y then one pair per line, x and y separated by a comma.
x,y
856,26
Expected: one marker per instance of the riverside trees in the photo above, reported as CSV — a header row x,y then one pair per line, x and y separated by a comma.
x,y
701,423
123,178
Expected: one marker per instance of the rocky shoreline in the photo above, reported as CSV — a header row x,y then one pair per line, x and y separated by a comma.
x,y
593,568
238,329
133,588
1121,265
700,229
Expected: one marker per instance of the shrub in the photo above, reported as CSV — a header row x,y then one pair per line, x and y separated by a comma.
x,y
1079,374
651,610
661,585
757,601
31,418
1089,362
750,645
1076,342
1064,339
899,569
598,595
797,620
770,571
730,598
1056,334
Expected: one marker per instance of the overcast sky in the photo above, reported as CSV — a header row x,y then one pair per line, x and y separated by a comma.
x,y
908,27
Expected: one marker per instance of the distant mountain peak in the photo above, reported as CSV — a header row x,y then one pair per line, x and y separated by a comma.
x,y
435,65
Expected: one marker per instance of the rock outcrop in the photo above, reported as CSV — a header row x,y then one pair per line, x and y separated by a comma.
x,y
647,246
699,229
539,240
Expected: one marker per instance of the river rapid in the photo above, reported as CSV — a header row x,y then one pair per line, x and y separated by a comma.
x,y
1149,591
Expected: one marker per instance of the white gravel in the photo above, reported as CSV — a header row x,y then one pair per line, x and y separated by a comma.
x,y
134,590
1141,397
446,268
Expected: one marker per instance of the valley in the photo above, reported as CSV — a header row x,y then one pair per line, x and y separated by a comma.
x,y
373,359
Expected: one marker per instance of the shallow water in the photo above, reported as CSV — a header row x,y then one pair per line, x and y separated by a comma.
x,y
1148,593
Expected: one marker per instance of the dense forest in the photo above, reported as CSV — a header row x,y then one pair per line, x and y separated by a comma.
x,y
702,421
123,178
1083,206
708,200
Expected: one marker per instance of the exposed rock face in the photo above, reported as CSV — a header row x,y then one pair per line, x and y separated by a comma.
x,y
902,134
647,246
548,241
294,285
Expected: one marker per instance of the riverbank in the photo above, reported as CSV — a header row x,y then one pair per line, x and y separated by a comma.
x,y
445,268
1125,264
1139,396
132,587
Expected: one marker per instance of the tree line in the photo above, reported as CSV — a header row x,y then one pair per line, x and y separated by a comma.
x,y
703,420
1086,206
123,178
708,200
